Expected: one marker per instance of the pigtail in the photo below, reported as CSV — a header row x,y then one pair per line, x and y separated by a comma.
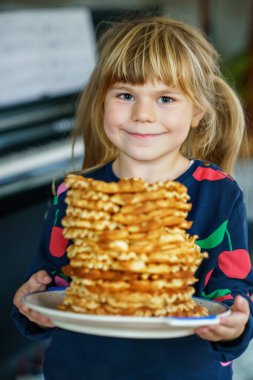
x,y
230,126
221,133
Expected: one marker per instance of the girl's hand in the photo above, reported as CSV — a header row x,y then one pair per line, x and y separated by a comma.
x,y
230,327
37,282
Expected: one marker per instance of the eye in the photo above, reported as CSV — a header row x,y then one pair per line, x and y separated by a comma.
x,y
126,96
165,99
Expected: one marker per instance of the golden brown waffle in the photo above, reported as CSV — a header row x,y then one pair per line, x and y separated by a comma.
x,y
130,252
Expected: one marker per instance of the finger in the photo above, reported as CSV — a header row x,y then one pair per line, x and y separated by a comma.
x,y
18,297
215,333
241,305
38,318
22,292
240,313
207,335
234,320
36,283
40,278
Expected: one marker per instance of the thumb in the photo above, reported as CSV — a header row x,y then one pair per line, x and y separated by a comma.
x,y
37,282
241,305
40,278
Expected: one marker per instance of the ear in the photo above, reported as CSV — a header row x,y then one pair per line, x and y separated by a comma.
x,y
198,114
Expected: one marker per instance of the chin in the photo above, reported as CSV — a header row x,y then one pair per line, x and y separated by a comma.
x,y
143,157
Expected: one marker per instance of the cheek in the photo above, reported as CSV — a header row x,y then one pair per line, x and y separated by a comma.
x,y
107,118
113,120
108,132
108,124
176,125
110,127
109,113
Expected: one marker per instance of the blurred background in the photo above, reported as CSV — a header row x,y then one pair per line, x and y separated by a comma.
x,y
47,52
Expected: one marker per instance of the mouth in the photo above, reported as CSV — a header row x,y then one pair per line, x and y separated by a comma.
x,y
144,135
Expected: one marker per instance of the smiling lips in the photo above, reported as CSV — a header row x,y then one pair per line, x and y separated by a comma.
x,y
144,135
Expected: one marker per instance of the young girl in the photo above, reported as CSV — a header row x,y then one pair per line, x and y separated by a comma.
x,y
156,107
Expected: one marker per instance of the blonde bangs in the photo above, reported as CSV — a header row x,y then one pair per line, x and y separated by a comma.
x,y
148,53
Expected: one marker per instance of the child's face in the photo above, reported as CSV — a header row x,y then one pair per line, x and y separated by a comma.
x,y
150,121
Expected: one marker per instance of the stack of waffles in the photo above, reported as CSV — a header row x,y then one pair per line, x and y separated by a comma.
x,y
130,252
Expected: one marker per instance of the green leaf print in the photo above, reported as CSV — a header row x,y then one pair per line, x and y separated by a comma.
x,y
215,238
56,216
216,294
60,274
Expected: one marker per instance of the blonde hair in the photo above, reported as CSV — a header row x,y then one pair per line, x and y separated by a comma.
x,y
159,48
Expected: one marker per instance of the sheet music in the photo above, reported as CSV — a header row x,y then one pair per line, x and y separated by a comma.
x,y
44,52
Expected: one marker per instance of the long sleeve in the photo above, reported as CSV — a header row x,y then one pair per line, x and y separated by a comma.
x,y
219,220
50,256
229,273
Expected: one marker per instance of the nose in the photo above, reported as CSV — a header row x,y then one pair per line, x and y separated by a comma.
x,y
143,112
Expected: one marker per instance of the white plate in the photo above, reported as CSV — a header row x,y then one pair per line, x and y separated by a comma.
x,y
121,326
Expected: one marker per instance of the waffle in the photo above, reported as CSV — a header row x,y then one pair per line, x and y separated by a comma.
x,y
130,253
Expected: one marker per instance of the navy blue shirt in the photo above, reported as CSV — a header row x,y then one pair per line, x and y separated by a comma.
x,y
219,220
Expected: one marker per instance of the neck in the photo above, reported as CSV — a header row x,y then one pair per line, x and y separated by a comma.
x,y
158,170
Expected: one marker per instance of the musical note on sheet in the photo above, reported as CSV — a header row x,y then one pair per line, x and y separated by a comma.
x,y
44,52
